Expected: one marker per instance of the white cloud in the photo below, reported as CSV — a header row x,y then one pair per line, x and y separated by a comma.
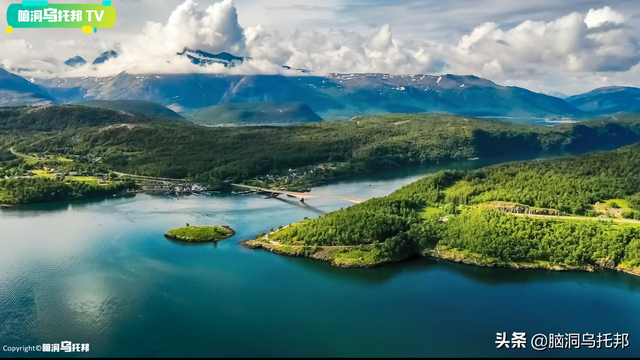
x,y
597,42
566,53
598,17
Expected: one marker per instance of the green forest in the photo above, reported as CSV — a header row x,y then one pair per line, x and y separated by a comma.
x,y
442,213
36,190
150,146
174,149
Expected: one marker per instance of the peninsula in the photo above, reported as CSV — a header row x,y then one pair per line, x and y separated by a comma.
x,y
576,213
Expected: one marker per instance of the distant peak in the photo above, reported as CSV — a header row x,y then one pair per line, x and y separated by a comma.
x,y
558,94
203,58
75,61
105,56
304,71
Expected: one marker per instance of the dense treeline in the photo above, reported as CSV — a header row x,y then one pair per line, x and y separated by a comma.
x,y
570,185
35,190
204,154
63,117
499,235
402,224
374,220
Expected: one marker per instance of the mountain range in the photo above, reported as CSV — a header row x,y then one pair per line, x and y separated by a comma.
x,y
333,96
608,100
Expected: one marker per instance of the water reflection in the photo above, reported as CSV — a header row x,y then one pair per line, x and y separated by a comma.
x,y
299,204
100,271
213,244
65,205
373,276
493,276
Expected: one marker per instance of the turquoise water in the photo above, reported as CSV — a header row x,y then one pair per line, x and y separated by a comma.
x,y
101,272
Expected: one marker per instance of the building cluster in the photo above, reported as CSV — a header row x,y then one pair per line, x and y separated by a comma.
x,y
174,189
307,173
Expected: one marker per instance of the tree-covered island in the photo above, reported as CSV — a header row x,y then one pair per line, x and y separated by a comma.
x,y
200,233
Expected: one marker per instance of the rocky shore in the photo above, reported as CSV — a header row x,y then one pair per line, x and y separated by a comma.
x,y
441,253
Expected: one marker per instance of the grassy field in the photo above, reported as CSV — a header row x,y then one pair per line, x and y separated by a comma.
x,y
43,174
85,179
31,159
613,208
429,211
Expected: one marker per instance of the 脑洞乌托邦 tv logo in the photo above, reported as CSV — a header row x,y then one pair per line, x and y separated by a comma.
x,y
41,14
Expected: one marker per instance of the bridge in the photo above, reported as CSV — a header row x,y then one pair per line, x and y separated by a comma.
x,y
301,196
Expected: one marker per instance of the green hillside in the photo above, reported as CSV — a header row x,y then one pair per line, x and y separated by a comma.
x,y
265,113
214,154
147,108
454,215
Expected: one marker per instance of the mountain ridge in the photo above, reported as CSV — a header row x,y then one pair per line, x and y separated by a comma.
x,y
263,113
608,100
335,96
146,108
16,90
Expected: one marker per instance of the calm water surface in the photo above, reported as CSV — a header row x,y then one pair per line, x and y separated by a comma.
x,y
101,272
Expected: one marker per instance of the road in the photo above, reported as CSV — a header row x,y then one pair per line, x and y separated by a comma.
x,y
21,155
148,177
628,221
272,242
301,195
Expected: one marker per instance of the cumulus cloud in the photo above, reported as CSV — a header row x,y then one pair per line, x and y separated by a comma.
x,y
341,51
598,17
598,43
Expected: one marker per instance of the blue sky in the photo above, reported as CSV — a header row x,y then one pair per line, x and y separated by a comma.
x,y
545,45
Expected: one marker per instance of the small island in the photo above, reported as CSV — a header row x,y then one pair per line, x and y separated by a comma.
x,y
200,233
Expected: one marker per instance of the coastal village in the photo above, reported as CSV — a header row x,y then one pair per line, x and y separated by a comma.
x,y
89,169
298,179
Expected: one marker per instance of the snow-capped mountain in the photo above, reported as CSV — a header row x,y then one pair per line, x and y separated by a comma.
x,y
203,58
558,94
335,96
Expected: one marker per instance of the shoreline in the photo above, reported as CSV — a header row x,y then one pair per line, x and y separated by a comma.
x,y
321,255
125,193
452,255
337,177
231,234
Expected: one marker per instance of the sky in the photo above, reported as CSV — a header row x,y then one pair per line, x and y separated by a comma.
x,y
543,45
